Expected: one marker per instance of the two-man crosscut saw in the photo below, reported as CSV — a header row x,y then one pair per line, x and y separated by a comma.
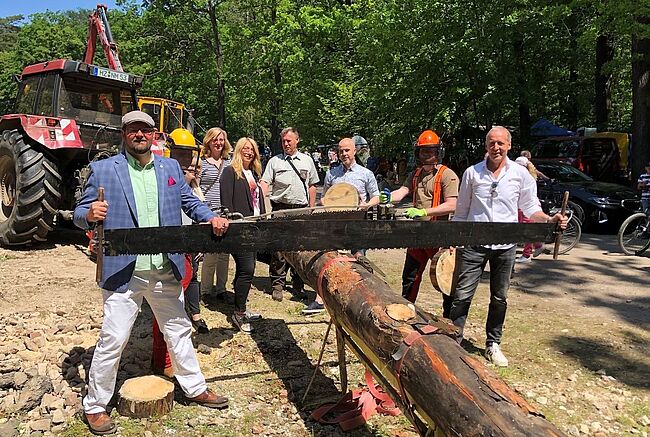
x,y
377,228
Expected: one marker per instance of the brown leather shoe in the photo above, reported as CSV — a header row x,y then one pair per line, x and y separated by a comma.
x,y
100,423
209,399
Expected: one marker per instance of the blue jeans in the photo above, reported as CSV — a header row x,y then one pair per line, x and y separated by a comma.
x,y
470,263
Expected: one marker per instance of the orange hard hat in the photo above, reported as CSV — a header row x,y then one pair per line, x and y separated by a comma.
x,y
428,138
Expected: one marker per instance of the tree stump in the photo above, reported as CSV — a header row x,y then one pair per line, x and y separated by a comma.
x,y
146,396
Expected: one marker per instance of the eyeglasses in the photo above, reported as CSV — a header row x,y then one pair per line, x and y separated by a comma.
x,y
144,130
493,189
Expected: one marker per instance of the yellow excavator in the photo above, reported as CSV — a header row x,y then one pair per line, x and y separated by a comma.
x,y
169,116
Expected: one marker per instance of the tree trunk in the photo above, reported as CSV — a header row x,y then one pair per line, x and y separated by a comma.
x,y
451,391
572,86
276,96
276,106
146,396
602,83
522,94
640,101
218,56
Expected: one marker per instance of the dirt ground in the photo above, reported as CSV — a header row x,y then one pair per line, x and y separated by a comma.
x,y
577,337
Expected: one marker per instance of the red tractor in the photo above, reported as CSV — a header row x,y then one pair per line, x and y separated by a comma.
x,y
67,114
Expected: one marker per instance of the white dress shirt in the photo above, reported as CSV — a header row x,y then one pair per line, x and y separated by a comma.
x,y
485,198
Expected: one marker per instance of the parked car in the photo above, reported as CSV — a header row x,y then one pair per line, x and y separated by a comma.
x,y
602,156
601,201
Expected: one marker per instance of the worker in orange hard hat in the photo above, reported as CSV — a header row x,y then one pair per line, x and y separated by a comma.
x,y
434,188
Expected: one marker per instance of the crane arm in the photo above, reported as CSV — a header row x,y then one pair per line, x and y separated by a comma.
x,y
98,27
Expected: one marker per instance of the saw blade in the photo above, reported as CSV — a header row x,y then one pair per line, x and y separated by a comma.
x,y
313,213
302,235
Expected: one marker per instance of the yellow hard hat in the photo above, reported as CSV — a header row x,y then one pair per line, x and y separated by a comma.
x,y
182,137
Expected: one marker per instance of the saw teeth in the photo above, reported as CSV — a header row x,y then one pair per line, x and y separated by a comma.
x,y
318,215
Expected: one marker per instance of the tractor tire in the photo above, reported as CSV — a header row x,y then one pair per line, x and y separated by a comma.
x,y
29,189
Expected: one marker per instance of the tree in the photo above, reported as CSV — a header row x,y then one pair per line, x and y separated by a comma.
x,y
8,36
602,81
641,96
386,69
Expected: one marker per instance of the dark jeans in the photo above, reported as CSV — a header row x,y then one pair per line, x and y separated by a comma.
x,y
193,292
470,263
279,267
244,271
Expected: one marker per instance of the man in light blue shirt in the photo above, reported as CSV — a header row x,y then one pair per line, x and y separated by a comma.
x,y
360,178
354,174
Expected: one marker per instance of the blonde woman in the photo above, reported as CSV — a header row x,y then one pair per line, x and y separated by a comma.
x,y
241,192
216,157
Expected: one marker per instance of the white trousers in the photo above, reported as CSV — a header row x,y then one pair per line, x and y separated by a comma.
x,y
214,263
165,297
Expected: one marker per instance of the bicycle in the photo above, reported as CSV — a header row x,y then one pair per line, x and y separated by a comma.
x,y
573,232
634,233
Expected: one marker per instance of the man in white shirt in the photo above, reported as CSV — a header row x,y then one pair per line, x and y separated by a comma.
x,y
492,191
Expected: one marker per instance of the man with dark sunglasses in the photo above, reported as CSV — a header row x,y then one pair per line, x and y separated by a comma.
x,y
492,191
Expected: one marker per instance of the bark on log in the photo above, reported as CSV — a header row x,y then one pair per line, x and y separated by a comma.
x,y
146,396
453,393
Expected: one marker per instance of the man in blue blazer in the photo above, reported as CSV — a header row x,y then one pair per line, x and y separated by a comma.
x,y
141,190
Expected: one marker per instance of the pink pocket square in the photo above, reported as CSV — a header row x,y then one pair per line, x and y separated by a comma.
x,y
171,181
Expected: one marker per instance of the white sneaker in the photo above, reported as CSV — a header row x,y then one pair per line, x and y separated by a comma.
x,y
241,321
495,356
538,251
523,259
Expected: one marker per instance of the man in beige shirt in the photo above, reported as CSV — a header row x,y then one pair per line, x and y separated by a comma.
x,y
289,180
434,188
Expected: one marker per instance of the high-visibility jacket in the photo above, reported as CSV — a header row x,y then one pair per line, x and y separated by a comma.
x,y
436,199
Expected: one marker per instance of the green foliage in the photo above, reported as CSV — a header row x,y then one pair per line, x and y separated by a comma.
x,y
9,31
385,69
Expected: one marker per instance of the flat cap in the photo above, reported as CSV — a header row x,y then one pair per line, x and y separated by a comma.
x,y
137,116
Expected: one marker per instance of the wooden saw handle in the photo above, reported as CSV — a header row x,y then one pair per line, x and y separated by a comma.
x,y
99,234
558,237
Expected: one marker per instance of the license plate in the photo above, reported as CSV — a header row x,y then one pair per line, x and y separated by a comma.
x,y
110,74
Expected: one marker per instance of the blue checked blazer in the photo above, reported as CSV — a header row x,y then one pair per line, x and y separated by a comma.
x,y
173,195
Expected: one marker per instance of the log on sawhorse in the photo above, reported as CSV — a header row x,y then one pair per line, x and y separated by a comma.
x,y
441,389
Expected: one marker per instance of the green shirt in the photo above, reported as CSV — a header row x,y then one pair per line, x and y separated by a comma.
x,y
145,191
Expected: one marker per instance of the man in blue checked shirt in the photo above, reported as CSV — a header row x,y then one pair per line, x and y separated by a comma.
x,y
360,178
141,190
354,174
